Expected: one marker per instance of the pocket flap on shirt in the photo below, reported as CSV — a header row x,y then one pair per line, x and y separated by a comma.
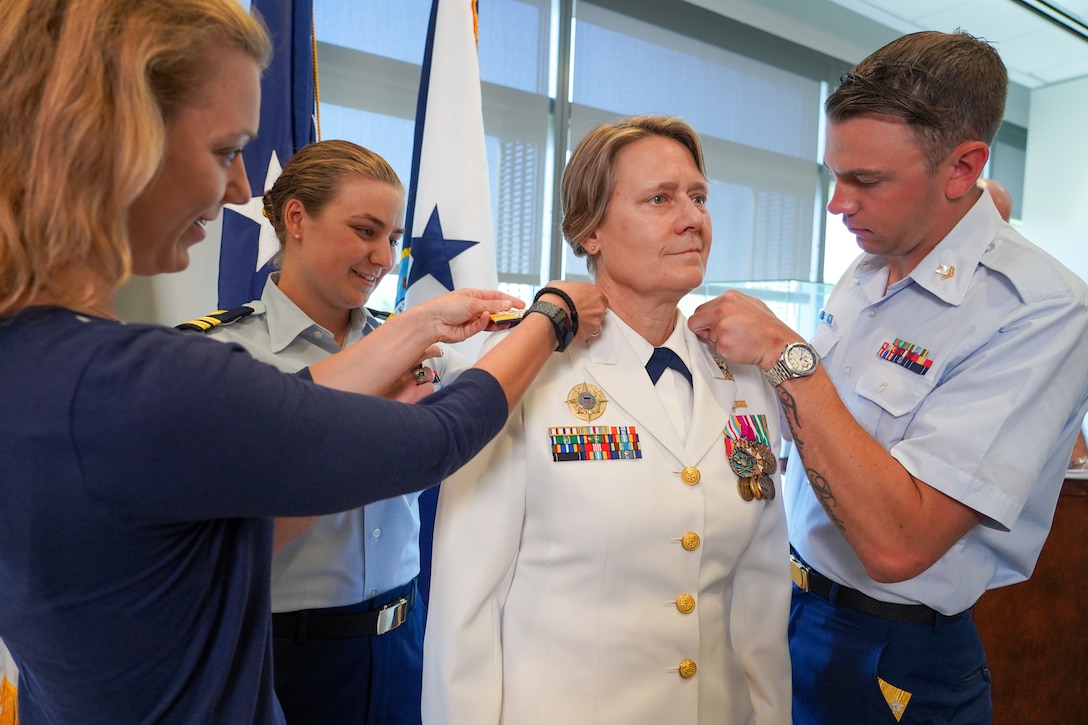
x,y
896,390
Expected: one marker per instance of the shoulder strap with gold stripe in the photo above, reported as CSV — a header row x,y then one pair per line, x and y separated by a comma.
x,y
381,314
214,319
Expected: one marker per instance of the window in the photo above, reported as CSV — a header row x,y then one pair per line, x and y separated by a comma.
x,y
758,124
369,57
755,99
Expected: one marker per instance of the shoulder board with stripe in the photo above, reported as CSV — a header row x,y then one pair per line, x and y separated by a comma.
x,y
381,314
214,319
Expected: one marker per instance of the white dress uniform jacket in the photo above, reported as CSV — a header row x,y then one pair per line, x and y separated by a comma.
x,y
560,587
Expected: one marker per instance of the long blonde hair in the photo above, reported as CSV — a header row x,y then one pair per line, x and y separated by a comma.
x,y
87,88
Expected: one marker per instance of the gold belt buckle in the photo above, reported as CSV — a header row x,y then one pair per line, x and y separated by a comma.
x,y
799,572
392,615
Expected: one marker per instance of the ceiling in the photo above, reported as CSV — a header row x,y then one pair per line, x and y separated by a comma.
x,y
1041,41
1033,36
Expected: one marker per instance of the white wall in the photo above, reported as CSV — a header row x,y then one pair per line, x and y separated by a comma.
x,y
170,299
1055,206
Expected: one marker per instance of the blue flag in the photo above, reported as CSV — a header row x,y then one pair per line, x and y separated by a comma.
x,y
287,124
449,240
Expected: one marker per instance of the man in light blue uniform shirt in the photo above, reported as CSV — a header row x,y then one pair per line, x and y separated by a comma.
x,y
933,413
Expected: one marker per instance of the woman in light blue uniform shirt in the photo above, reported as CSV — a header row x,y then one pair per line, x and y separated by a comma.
x,y
347,620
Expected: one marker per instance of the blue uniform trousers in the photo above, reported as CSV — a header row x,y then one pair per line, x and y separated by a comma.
x,y
367,680
838,655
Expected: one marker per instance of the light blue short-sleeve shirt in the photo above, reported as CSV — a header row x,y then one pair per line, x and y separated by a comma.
x,y
351,556
973,373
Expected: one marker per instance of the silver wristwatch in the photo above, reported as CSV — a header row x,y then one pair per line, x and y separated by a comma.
x,y
798,360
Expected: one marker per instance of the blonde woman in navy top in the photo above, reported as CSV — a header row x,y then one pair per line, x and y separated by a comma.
x,y
142,467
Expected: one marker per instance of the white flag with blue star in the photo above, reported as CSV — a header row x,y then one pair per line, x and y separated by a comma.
x,y
449,240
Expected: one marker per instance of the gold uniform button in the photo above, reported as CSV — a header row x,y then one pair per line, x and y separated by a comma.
x,y
690,541
687,669
690,475
685,603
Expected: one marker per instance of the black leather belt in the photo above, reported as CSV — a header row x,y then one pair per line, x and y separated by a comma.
x,y
816,583
320,624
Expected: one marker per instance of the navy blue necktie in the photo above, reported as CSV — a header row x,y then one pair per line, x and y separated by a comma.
x,y
663,358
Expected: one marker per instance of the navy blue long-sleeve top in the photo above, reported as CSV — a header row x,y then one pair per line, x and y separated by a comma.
x,y
139,471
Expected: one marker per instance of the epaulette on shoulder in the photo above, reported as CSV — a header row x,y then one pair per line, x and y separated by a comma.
x,y
381,314
214,319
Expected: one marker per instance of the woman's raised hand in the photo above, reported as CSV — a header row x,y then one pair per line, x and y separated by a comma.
x,y
458,315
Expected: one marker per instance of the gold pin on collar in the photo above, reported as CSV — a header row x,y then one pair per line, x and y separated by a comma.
x,y
724,367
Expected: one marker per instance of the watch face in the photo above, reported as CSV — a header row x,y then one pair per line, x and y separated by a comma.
x,y
800,358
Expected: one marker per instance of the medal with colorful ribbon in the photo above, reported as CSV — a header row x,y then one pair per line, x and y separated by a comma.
x,y
747,444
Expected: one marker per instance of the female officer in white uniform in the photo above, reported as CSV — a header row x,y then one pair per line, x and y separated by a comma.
x,y
617,554
347,624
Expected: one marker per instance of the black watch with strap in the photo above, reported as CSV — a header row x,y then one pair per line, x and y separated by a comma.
x,y
566,300
564,332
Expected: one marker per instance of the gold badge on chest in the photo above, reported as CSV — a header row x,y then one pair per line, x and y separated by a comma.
x,y
586,401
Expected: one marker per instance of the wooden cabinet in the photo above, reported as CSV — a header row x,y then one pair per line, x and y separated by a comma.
x,y
1036,632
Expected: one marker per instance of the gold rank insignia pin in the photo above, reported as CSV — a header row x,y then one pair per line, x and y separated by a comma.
x,y
586,401
946,271
724,367
507,318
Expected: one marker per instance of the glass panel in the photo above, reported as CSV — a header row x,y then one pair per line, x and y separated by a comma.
x,y
395,30
840,246
759,126
513,43
719,93
390,136
512,35
796,303
761,205
759,123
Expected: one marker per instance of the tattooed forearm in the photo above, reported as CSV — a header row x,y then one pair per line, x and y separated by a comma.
x,y
793,418
789,408
822,489
819,484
